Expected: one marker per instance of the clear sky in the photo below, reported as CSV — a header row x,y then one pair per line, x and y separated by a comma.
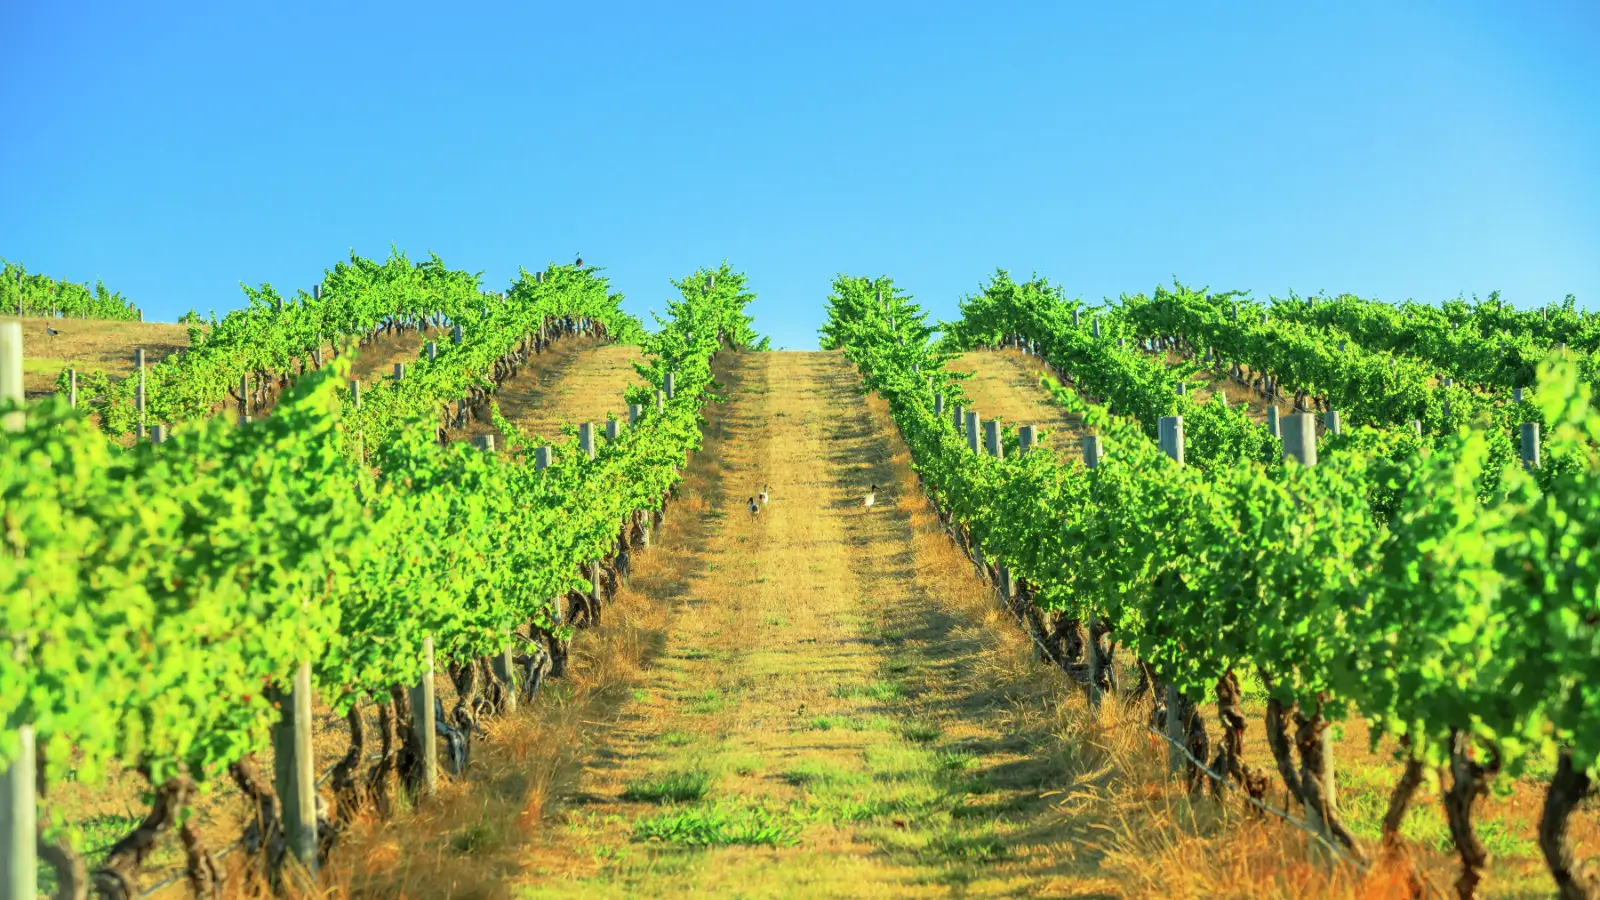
x,y
1393,149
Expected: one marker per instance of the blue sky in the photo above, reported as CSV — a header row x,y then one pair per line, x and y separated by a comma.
x,y
1396,150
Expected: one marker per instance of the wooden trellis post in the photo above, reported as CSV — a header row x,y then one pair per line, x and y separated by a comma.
x,y
423,724
18,809
1092,453
139,389
1300,444
295,771
1170,433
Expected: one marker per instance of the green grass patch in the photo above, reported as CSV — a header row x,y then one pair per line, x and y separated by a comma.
x,y
707,702
743,764
719,826
980,846
673,787
814,773
921,732
880,690
676,738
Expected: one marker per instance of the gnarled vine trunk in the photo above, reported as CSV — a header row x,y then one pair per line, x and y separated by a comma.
x,y
1568,787
1468,782
345,790
115,880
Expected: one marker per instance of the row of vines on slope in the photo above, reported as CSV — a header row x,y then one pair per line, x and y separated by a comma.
x,y
265,341
1469,627
25,294
242,552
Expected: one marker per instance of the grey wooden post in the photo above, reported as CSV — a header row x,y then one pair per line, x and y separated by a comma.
x,y
1332,423
244,399
1448,382
455,334
1341,345
316,292
72,388
1025,437
1300,438
938,405
158,433
422,723
959,417
1092,454
635,412
1263,318
586,438
672,385
1122,343
484,442
1416,425
1273,427
1075,318
973,421
295,771
1222,395
1169,431
991,437
1300,443
661,401
1095,327
19,861
613,430
399,372
542,457
1516,395
433,351
139,389
1183,389
1530,445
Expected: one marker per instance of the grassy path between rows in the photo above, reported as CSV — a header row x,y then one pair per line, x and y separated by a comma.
x,y
832,713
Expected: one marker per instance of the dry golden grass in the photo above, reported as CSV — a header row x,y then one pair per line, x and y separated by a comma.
x,y
577,379
88,344
1005,386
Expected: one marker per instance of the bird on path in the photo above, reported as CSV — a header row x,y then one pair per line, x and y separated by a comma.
x,y
763,495
51,331
754,507
871,495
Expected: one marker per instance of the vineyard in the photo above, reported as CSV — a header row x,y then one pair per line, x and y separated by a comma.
x,y
404,587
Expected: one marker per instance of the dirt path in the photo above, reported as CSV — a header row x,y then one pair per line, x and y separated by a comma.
x,y
576,379
836,711
1005,385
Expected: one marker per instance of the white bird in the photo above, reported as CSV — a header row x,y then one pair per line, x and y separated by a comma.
x,y
871,495
763,495
754,507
